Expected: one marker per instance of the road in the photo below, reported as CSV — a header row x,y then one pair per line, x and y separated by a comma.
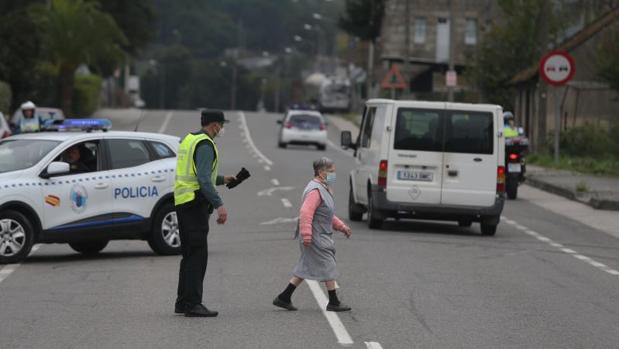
x,y
544,281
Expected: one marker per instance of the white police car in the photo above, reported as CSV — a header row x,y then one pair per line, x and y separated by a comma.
x,y
85,189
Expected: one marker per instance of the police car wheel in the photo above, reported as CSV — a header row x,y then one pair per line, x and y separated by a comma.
x,y
16,237
165,238
88,247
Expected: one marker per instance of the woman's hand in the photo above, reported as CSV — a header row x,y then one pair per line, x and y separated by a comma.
x,y
347,231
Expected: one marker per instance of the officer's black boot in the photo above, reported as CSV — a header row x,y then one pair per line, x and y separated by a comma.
x,y
199,310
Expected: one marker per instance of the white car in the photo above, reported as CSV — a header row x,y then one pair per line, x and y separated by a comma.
x,y
303,127
429,160
122,189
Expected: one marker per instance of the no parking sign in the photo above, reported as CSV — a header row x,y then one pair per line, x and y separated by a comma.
x,y
557,68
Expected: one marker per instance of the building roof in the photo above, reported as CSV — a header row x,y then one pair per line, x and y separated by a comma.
x,y
571,43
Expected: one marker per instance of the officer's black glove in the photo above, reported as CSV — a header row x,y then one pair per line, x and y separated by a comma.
x,y
240,177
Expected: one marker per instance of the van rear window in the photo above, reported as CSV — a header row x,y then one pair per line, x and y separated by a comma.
x,y
418,129
469,132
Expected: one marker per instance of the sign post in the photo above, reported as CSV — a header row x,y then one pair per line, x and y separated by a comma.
x,y
557,68
393,80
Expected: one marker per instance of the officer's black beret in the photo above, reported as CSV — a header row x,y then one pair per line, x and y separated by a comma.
x,y
212,115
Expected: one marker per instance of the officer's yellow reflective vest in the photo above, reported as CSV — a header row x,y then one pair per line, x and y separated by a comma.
x,y
186,176
509,132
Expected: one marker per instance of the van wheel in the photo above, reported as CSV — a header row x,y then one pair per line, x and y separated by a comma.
x,y
16,237
88,248
165,238
355,211
465,223
281,145
374,222
488,229
322,147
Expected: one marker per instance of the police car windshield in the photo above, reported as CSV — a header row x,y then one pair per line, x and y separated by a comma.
x,y
18,155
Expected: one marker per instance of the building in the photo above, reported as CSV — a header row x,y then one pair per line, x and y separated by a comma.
x,y
417,35
585,99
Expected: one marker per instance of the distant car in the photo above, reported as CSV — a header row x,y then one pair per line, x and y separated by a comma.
x,y
303,127
122,188
5,130
43,113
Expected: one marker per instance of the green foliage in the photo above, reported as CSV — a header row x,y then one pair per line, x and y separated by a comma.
x,y
363,18
5,97
588,141
608,166
608,59
87,91
509,47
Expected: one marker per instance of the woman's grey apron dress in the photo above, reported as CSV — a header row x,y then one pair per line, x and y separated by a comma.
x,y
317,261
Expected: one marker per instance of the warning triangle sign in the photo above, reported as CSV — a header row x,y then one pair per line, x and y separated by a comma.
x,y
394,79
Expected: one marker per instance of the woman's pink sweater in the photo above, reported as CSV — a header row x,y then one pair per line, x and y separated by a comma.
x,y
306,216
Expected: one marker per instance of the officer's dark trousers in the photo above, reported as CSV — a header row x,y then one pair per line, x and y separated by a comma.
x,y
193,225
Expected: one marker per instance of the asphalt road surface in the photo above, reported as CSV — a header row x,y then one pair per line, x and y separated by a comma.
x,y
544,281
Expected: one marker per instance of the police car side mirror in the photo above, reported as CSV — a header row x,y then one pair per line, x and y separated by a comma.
x,y
56,168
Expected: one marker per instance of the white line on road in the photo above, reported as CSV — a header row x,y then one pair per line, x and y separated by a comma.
x,y
267,168
564,249
286,203
166,122
373,345
251,142
10,268
336,324
332,145
275,182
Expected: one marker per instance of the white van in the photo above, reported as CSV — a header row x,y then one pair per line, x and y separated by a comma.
x,y
428,160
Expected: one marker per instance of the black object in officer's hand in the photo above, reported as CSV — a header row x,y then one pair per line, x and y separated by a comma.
x,y
240,177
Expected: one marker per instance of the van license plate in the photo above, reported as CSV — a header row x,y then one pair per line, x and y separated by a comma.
x,y
415,176
514,168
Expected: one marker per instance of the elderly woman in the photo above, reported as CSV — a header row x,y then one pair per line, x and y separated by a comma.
x,y
317,221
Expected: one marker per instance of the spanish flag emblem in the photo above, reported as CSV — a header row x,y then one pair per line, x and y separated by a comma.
x,y
52,200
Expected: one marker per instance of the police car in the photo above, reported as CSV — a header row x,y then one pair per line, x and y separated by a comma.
x,y
86,188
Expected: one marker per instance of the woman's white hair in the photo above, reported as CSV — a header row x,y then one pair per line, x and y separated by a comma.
x,y
322,164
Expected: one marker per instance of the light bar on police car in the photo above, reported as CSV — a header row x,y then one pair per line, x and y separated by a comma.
x,y
81,125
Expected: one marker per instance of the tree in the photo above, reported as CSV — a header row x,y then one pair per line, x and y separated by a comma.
x,y
76,32
608,59
363,18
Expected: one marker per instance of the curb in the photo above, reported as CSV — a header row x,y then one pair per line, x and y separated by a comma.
x,y
597,203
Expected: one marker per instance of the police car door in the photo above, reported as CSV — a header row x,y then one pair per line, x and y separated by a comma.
x,y
81,198
140,180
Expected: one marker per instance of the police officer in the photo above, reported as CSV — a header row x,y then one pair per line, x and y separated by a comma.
x,y
509,125
195,199
28,121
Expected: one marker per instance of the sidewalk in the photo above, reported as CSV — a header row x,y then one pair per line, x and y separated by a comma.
x,y
595,191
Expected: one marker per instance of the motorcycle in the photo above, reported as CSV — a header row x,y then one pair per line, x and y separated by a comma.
x,y
515,151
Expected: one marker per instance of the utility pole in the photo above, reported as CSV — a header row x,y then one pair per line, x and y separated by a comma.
x,y
452,25
407,61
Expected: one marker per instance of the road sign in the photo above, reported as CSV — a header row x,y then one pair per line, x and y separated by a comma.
x,y
451,78
394,79
557,68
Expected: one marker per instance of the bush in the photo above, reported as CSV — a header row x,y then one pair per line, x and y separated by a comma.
x,y
589,141
86,95
5,97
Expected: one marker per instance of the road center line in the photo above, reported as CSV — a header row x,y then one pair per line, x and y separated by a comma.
x,y
336,324
275,182
373,345
562,248
250,141
286,203
166,122
10,268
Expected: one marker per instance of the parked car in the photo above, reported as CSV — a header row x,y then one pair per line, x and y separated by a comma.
x,y
303,127
428,160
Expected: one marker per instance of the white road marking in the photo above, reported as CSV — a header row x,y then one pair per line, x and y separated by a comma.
x,y
275,182
564,249
267,168
336,324
166,121
270,191
10,268
286,203
280,221
373,345
332,145
251,142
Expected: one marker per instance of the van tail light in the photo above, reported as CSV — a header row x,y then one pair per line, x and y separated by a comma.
x,y
289,125
513,157
500,179
322,126
382,174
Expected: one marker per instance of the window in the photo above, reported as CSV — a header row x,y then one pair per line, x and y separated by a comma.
x,y
418,129
127,153
82,157
368,123
19,154
420,30
469,132
470,35
162,150
306,122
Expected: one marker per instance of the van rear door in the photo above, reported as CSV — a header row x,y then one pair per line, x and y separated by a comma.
x,y
471,157
415,157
